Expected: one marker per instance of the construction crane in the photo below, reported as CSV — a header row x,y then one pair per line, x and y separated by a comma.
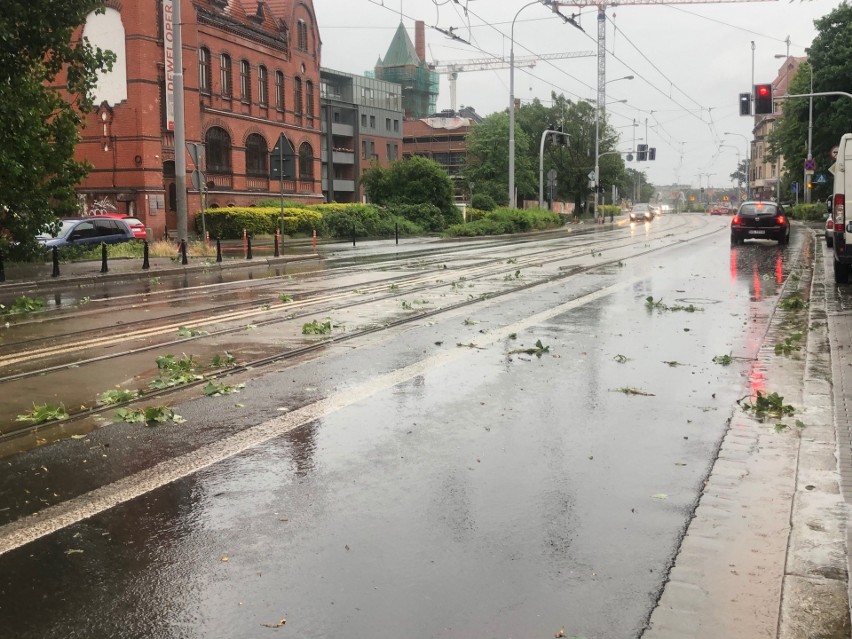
x,y
582,4
452,69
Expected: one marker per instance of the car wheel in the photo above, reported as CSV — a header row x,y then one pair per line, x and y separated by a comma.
x,y
735,240
841,273
829,242
784,239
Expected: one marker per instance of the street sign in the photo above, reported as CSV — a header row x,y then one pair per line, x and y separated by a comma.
x,y
794,187
591,175
551,175
282,160
725,198
196,152
833,168
810,165
821,179
834,151
692,198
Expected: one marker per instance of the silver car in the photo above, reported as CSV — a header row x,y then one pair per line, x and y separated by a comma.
x,y
641,213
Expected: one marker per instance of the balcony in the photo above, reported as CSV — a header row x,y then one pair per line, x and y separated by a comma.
x,y
340,185
338,128
220,181
343,156
257,184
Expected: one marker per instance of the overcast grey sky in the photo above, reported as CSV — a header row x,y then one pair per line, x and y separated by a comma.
x,y
690,62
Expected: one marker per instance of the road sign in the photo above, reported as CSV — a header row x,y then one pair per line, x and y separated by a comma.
x,y
821,179
591,175
832,168
810,165
834,151
551,175
196,152
794,187
282,160
725,198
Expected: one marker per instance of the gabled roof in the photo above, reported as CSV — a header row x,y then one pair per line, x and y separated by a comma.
x,y
401,51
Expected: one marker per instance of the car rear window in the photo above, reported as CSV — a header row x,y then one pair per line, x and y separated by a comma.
x,y
760,208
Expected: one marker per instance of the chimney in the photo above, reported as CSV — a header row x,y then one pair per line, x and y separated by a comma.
x,y
420,40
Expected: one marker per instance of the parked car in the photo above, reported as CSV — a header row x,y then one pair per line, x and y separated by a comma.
x,y
829,232
758,220
135,225
641,213
88,231
721,209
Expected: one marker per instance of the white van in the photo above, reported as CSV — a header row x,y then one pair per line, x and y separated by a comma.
x,y
842,228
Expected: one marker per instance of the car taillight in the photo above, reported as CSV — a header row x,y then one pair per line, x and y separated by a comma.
x,y
840,210
780,219
736,220
829,224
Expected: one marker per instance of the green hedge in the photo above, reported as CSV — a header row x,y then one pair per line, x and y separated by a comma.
x,y
228,223
808,212
368,220
483,201
610,209
505,221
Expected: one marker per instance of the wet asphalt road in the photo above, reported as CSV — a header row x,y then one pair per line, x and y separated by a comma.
x,y
434,489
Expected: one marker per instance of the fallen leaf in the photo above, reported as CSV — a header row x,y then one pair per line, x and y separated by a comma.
x,y
561,632
275,625
73,551
660,496
225,558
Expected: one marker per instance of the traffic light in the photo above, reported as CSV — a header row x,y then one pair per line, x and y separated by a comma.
x,y
641,152
745,104
810,185
652,153
763,99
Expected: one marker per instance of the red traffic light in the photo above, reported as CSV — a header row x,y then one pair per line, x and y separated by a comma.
x,y
762,90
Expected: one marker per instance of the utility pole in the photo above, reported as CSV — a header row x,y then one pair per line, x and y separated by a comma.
x,y
180,127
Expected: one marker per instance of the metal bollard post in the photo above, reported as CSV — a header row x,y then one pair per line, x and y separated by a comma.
x,y
218,250
315,240
55,255
183,259
396,232
277,252
248,247
353,234
104,267
2,268
146,264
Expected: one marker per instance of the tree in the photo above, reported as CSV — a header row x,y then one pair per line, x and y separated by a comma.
x,y
39,123
415,180
487,163
830,58
740,175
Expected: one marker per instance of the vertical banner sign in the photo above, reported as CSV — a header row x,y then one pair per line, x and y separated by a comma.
x,y
169,48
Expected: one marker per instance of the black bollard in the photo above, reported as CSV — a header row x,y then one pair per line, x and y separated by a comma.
x,y
218,250
55,252
277,253
145,262
248,247
183,259
396,232
353,235
2,268
104,267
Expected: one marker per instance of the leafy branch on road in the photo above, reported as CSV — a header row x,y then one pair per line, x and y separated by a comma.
x,y
793,302
22,305
621,359
652,304
150,415
175,371
42,413
723,360
315,327
538,350
185,331
771,405
117,396
218,389
789,344
630,390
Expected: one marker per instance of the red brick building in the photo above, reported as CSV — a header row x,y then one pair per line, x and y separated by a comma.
x,y
251,72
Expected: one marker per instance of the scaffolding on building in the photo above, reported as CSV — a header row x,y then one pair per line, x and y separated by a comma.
x,y
419,87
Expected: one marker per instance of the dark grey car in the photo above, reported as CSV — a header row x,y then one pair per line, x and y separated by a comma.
x,y
759,220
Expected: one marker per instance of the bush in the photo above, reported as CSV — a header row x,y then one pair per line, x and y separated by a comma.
x,y
368,220
228,223
503,221
808,212
426,216
609,209
483,201
475,214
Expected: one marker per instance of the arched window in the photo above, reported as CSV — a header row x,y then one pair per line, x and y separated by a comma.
x,y
297,96
245,81
301,35
205,77
225,78
309,99
262,85
279,90
218,151
256,156
306,162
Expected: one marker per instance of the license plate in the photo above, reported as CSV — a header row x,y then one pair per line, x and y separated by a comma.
x,y
757,232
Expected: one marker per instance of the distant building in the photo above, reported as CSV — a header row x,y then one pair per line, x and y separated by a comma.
x,y
251,73
362,124
765,174
405,64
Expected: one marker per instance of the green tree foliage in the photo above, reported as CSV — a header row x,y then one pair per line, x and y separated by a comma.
x,y
740,175
487,163
830,57
415,180
39,124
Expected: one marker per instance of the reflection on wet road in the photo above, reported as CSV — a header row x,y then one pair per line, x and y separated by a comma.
x,y
486,488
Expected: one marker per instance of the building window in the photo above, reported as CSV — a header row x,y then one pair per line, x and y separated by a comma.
x,y
306,162
245,81
396,126
388,150
363,149
302,35
297,96
225,75
262,86
205,78
218,144
309,99
387,124
372,121
256,156
279,90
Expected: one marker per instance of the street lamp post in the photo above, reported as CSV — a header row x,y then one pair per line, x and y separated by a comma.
x,y
512,202
600,106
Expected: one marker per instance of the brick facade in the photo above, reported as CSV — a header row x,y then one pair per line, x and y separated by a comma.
x,y
272,49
